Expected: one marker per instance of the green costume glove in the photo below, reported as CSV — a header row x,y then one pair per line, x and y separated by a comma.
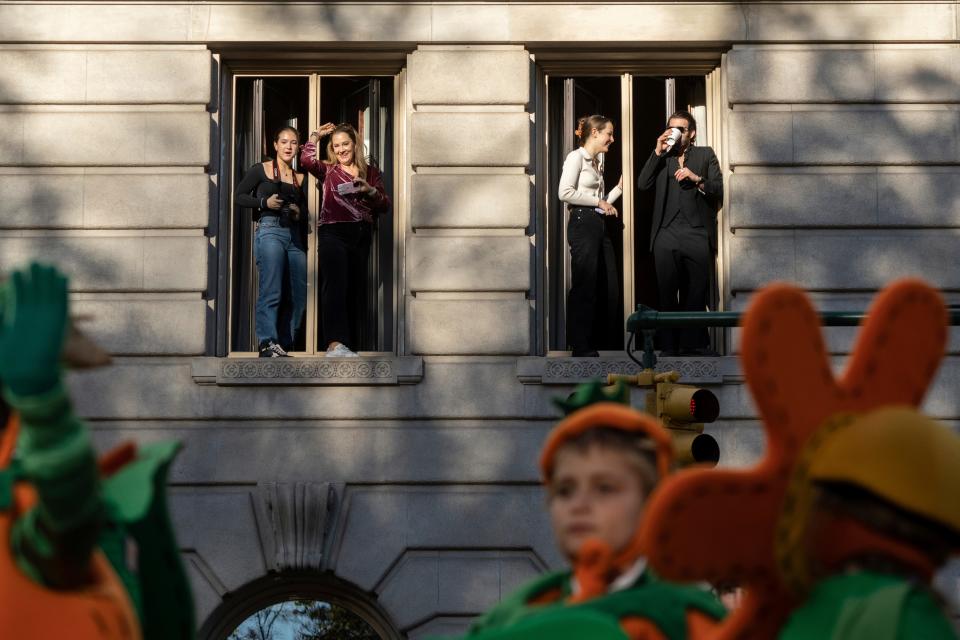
x,y
53,541
32,330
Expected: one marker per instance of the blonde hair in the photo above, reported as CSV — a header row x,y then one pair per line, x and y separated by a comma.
x,y
637,449
359,152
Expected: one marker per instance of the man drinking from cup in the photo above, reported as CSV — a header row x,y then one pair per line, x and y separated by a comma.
x,y
683,233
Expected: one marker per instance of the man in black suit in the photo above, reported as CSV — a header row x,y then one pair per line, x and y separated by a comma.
x,y
683,233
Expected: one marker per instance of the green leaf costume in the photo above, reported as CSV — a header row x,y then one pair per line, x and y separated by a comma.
x,y
664,604
77,511
868,606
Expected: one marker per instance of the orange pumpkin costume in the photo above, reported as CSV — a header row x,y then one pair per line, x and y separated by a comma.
x,y
99,611
726,525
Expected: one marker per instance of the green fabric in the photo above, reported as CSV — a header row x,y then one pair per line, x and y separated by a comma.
x,y
662,603
871,605
514,607
33,327
53,541
593,392
571,624
876,617
129,493
113,543
8,477
136,503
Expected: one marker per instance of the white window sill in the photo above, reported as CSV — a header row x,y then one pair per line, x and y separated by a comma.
x,y
373,369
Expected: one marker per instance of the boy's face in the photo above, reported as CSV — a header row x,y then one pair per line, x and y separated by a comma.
x,y
594,493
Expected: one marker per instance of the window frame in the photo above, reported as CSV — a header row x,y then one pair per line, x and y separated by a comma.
x,y
235,65
554,65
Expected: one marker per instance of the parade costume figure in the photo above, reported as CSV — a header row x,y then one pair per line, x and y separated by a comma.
x,y
836,532
599,464
64,519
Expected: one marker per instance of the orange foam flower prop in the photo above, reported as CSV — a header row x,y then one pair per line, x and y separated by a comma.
x,y
720,525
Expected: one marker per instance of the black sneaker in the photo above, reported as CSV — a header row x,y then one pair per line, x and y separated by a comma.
x,y
270,349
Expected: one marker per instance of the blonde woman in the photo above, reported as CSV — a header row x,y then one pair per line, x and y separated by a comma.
x,y
353,195
582,188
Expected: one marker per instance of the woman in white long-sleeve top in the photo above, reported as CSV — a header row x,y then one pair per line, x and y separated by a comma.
x,y
582,188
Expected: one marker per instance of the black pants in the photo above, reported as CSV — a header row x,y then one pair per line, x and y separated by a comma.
x,y
684,271
344,248
592,260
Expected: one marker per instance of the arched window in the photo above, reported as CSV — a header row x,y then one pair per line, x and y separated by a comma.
x,y
298,606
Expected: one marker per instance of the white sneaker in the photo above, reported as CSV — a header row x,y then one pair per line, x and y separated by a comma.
x,y
341,351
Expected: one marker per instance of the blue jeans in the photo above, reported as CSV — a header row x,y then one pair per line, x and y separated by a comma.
x,y
281,269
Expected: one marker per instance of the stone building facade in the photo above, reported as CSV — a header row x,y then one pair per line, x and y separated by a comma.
x,y
403,484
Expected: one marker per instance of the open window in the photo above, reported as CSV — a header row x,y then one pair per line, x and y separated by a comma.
x,y
263,104
639,106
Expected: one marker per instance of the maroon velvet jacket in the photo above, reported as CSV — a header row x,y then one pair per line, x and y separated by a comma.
x,y
352,207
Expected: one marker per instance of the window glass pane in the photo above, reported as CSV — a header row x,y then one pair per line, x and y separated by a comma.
x,y
262,107
367,104
304,620
570,99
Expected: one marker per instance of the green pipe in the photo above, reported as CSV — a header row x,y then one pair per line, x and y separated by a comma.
x,y
647,318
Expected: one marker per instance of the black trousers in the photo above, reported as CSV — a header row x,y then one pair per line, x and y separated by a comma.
x,y
344,248
592,261
684,271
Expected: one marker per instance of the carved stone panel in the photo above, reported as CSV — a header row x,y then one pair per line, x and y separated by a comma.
x,y
294,522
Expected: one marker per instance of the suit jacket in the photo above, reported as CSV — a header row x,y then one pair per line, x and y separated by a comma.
x,y
703,162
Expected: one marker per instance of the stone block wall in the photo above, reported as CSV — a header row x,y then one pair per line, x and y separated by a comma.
x,y
103,171
468,257
845,163
844,167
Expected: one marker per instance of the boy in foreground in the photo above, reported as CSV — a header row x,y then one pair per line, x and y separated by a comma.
x,y
599,466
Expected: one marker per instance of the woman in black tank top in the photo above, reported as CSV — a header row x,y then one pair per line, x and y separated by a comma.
x,y
275,192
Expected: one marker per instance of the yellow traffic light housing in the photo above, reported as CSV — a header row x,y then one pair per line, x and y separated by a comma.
x,y
683,410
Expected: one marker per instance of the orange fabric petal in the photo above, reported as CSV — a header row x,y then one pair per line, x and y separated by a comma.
x,y
699,625
719,525
641,629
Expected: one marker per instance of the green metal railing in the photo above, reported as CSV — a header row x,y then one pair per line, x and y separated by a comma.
x,y
646,321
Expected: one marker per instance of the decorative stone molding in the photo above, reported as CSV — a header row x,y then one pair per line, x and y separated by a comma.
x,y
365,370
295,518
567,370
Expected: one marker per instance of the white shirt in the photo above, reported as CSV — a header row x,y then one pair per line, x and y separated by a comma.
x,y
624,581
581,184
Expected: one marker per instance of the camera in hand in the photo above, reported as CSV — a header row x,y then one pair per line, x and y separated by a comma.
x,y
286,211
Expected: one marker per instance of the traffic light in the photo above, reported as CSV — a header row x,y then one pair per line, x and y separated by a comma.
x,y
683,409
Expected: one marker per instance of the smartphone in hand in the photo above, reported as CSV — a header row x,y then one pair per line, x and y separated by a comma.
x,y
345,188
